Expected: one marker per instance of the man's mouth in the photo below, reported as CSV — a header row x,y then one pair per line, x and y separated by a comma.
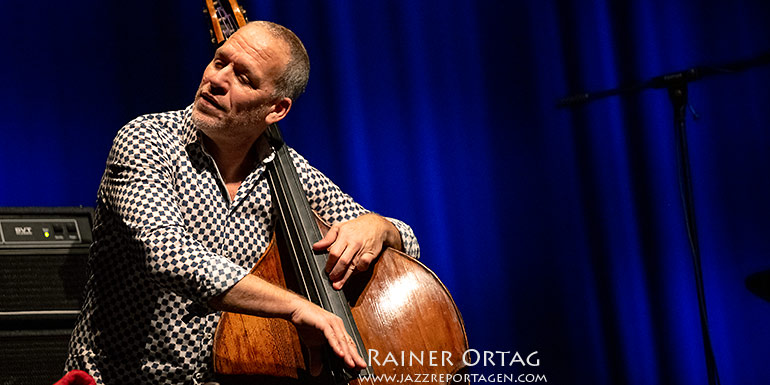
x,y
209,99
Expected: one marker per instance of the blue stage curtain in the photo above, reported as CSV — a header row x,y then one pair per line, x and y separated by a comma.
x,y
557,230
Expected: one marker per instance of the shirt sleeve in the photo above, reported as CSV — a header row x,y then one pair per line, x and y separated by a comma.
x,y
138,190
334,206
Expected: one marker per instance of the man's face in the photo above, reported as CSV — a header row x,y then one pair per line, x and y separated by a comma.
x,y
235,100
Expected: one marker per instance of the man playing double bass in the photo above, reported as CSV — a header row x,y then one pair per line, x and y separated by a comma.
x,y
184,212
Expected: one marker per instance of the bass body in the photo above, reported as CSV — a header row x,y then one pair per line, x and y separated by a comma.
x,y
405,316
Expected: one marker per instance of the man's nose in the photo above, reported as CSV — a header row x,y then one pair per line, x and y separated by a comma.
x,y
220,80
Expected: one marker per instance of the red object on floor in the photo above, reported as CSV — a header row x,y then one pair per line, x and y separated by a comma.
x,y
76,377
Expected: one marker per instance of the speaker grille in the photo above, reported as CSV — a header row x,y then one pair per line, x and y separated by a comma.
x,y
42,282
43,257
33,356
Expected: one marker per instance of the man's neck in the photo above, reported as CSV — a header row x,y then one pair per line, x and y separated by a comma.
x,y
235,160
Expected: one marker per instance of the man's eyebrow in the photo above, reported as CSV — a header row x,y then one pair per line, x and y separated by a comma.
x,y
222,53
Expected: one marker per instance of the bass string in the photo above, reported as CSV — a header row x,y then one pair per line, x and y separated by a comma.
x,y
298,224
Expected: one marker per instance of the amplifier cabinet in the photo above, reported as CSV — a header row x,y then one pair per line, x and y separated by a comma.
x,y
43,258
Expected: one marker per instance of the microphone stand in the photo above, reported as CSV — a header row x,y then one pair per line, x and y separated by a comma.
x,y
676,84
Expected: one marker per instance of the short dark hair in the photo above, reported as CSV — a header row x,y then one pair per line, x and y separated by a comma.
x,y
293,80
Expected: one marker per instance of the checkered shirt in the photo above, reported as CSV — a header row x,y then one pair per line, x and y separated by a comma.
x,y
167,238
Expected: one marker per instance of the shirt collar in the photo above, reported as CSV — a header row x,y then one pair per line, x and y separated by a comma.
x,y
193,135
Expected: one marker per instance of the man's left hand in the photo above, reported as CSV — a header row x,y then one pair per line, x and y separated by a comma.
x,y
354,244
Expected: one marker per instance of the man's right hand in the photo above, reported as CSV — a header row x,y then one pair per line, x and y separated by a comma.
x,y
316,327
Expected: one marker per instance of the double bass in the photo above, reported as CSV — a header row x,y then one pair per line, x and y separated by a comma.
x,y
402,319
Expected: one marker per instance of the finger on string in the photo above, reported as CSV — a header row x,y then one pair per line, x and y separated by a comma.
x,y
341,282
327,240
342,264
335,254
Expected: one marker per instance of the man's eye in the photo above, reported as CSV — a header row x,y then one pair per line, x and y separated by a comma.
x,y
244,79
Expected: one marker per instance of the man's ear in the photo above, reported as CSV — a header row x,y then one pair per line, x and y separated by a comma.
x,y
278,110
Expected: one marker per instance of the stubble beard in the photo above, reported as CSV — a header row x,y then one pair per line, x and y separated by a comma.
x,y
232,128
